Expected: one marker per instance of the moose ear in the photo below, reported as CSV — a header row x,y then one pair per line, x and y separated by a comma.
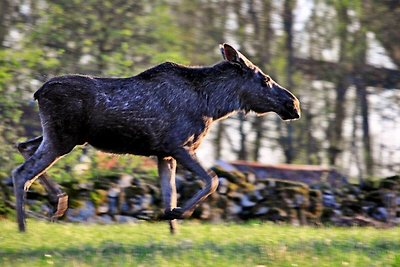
x,y
229,53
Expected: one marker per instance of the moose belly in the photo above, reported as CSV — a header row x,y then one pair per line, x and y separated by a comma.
x,y
112,141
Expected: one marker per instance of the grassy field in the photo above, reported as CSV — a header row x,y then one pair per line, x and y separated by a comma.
x,y
150,244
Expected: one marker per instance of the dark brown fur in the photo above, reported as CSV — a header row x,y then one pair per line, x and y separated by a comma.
x,y
165,111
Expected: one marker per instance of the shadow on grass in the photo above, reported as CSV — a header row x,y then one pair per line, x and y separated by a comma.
x,y
113,248
238,250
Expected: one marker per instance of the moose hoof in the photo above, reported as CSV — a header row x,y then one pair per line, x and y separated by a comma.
x,y
28,184
62,206
176,213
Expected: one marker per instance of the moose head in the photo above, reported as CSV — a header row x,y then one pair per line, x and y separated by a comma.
x,y
260,93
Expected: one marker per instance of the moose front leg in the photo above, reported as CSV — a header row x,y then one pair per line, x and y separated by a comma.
x,y
57,197
189,161
166,171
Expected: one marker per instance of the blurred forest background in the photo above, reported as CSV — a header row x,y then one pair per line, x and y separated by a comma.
x,y
340,57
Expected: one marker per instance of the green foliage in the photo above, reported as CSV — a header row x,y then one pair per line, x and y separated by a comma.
x,y
17,70
98,196
163,36
112,38
150,244
5,210
109,38
89,165
123,37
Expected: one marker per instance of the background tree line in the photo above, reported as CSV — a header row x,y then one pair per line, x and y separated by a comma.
x,y
340,57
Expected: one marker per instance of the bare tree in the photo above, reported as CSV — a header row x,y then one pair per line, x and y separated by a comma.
x,y
335,129
288,7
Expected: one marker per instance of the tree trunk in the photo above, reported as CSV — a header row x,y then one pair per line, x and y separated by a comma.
x,y
335,128
242,153
218,140
259,130
4,9
311,143
288,27
362,96
367,146
262,36
383,18
354,145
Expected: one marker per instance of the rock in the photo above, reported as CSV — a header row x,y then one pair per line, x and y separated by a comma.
x,y
235,196
258,195
83,213
217,215
125,181
261,211
146,215
125,219
221,202
223,186
224,165
86,186
355,221
233,208
315,207
251,178
125,208
239,196
46,209
112,205
245,202
146,201
179,181
391,183
104,219
380,214
234,177
102,209
81,168
275,215
155,192
329,201
205,211
134,205
259,192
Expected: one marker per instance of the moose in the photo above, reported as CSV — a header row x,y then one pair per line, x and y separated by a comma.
x,y
165,112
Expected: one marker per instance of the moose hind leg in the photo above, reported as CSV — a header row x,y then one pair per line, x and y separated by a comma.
x,y
190,162
43,157
166,171
57,197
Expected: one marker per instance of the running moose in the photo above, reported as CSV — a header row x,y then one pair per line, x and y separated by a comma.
x,y
164,111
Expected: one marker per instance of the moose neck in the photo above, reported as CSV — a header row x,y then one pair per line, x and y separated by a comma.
x,y
220,87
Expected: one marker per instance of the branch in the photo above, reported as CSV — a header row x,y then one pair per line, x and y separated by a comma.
x,y
327,71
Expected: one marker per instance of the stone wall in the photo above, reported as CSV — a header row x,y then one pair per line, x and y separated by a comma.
x,y
242,195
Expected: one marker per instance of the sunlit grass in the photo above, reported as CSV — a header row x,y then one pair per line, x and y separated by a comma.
x,y
150,244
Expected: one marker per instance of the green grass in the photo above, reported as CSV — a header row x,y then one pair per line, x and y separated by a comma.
x,y
150,244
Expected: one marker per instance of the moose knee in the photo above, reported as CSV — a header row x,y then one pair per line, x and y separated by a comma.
x,y
213,183
16,172
21,147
